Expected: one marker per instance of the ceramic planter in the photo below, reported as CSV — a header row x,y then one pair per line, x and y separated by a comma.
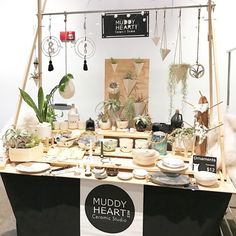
x,y
140,126
44,130
122,124
26,154
104,124
139,108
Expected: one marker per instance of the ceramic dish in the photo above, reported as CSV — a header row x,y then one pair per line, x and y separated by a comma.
x,y
174,170
170,179
172,162
205,178
32,167
125,175
140,173
145,157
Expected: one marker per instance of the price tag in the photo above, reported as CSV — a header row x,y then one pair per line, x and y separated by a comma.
x,y
204,163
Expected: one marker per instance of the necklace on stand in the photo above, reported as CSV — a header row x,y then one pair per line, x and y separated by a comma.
x,y
197,70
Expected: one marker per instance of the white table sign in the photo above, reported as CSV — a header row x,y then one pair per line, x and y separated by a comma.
x,y
111,208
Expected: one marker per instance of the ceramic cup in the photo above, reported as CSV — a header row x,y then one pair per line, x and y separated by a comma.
x,y
64,125
141,143
126,144
56,125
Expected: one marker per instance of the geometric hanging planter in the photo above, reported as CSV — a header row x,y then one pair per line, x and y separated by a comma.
x,y
129,85
138,67
164,52
114,67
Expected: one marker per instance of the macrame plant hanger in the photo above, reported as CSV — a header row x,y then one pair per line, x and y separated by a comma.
x,y
163,48
197,70
85,66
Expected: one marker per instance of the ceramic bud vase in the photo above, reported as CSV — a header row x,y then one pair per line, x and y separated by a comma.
x,y
177,120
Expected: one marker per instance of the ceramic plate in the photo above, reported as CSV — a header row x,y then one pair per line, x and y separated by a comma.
x,y
163,167
125,175
139,173
32,167
170,179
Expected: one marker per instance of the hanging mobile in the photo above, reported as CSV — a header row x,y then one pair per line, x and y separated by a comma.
x,y
51,46
197,70
85,66
85,47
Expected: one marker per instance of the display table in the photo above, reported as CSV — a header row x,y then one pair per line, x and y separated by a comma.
x,y
49,205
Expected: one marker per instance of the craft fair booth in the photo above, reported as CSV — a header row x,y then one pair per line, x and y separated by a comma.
x,y
116,176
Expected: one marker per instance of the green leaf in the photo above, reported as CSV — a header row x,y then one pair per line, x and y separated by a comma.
x,y
41,101
28,100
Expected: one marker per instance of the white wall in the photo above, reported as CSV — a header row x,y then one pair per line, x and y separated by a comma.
x,y
18,21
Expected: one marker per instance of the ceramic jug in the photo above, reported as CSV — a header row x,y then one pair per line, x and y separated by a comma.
x,y
177,120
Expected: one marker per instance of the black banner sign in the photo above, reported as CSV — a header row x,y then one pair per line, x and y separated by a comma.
x,y
204,163
126,24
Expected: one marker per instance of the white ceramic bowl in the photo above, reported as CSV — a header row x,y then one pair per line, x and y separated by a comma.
x,y
172,162
205,178
145,157
140,173
109,145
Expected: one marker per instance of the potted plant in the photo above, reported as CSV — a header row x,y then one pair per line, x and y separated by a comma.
x,y
21,145
182,139
104,120
139,105
113,89
142,122
138,63
177,73
114,64
129,82
111,107
43,108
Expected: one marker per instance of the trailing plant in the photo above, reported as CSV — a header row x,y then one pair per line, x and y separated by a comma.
x,y
128,110
16,138
177,73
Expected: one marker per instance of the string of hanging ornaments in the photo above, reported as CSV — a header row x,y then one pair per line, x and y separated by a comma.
x,y
51,46
197,70
85,47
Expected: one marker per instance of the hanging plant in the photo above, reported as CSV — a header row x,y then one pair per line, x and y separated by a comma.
x,y
178,72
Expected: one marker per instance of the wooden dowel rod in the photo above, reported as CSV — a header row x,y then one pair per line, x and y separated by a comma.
x,y
39,43
210,57
26,74
217,87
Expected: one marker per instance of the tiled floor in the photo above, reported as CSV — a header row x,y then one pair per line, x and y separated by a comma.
x,y
8,224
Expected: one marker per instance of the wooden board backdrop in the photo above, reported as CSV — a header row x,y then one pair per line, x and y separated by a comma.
x,y
125,66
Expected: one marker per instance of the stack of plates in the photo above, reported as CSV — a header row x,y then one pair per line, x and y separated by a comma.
x,y
172,164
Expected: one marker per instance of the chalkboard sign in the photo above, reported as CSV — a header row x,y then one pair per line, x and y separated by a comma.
x,y
125,24
204,163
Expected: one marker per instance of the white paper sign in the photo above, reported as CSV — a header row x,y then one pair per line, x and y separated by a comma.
x,y
110,208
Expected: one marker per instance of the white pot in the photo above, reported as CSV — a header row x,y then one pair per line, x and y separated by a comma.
x,y
44,130
122,124
126,144
105,125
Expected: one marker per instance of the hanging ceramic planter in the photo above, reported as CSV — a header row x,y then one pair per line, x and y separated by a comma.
x,y
164,51
67,88
155,37
129,83
138,64
178,71
114,64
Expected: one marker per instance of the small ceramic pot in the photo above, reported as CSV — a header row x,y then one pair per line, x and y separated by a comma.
x,y
126,144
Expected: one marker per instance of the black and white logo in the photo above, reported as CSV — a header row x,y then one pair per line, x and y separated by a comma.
x,y
109,208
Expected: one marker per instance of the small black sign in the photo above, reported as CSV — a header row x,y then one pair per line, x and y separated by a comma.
x,y
204,163
125,24
109,208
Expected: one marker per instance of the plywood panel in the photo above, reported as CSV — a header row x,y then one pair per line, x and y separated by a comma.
x,y
124,66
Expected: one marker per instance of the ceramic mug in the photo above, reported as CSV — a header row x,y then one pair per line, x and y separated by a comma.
x,y
126,144
141,143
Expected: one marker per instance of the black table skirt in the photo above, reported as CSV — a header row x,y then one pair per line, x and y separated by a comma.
x,y
50,206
